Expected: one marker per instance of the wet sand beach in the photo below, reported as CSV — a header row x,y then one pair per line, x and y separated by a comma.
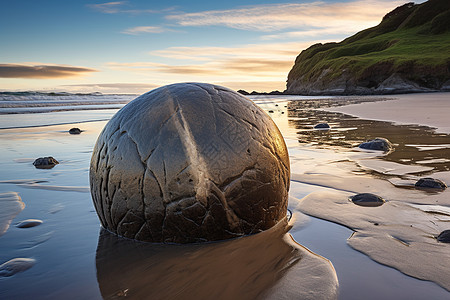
x,y
333,249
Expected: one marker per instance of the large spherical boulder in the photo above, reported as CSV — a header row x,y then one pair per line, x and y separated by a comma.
x,y
189,162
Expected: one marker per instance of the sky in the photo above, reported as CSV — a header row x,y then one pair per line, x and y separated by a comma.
x,y
134,46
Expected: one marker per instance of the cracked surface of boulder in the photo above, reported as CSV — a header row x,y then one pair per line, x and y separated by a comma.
x,y
188,163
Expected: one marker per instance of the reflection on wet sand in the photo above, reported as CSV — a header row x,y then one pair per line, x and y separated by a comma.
x,y
266,265
347,131
402,233
396,234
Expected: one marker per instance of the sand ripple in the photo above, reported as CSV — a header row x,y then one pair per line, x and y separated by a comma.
x,y
396,234
16,265
11,205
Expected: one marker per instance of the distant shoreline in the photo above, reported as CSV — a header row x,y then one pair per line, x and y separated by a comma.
x,y
327,93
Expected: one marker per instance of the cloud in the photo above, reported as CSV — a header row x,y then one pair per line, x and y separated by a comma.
x,y
253,62
118,87
307,33
118,7
239,66
108,7
260,86
41,71
263,66
344,15
224,68
145,29
249,73
274,50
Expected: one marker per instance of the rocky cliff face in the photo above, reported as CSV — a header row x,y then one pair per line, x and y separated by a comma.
x,y
409,51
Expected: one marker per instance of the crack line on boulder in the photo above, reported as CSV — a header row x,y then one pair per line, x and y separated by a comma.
x,y
240,120
212,104
199,168
144,165
232,217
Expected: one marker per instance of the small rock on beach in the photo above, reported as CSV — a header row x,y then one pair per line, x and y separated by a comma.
x,y
444,236
367,199
430,183
45,162
29,223
322,126
75,130
16,265
380,144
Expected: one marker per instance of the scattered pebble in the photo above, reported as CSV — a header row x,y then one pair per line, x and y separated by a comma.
x,y
322,126
380,144
45,162
430,183
367,199
29,223
444,236
16,265
270,111
75,130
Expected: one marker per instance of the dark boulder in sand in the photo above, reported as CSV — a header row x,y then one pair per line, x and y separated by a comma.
x,y
367,199
380,144
75,130
444,236
322,126
189,163
430,183
45,162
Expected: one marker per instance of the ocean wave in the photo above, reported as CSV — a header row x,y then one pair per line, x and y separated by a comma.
x,y
56,108
37,102
37,96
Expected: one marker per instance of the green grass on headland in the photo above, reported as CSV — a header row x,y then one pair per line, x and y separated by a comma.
x,y
412,40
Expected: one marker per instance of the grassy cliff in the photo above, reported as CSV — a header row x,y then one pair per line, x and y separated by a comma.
x,y
409,51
